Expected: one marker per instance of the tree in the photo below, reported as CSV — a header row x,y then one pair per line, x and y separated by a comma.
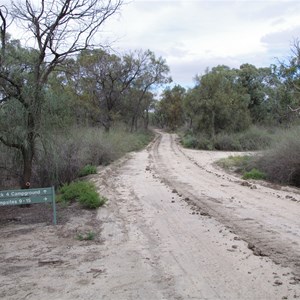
x,y
57,30
256,83
218,103
153,73
121,85
288,73
105,78
170,108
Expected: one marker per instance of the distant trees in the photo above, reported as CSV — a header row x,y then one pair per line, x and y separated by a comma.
x,y
230,100
118,87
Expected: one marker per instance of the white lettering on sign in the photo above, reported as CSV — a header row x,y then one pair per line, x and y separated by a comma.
x,y
25,194
9,202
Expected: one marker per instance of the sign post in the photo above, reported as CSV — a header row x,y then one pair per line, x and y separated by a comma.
x,y
29,196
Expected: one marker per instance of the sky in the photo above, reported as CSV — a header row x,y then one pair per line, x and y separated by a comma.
x,y
193,35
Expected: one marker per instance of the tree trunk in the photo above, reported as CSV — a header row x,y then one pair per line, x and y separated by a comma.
x,y
28,148
27,155
132,123
146,120
213,131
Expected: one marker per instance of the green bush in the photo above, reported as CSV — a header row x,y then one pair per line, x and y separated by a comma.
x,y
189,141
254,138
200,141
254,174
87,170
83,192
91,199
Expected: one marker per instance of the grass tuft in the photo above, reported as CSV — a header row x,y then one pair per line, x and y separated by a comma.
x,y
90,236
254,174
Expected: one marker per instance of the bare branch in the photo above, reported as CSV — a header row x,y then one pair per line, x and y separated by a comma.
x,y
10,144
295,109
64,27
16,93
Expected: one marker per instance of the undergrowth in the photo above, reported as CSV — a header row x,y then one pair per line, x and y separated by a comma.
x,y
237,163
87,170
280,163
75,153
254,138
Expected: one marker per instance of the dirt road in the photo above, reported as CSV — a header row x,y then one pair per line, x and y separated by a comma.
x,y
176,227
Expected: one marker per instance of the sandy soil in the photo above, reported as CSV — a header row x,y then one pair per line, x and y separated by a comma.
x,y
176,227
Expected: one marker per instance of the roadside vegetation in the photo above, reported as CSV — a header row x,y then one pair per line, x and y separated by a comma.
x,y
280,163
253,138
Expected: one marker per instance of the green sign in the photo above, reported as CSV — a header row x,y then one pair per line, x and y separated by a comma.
x,y
29,196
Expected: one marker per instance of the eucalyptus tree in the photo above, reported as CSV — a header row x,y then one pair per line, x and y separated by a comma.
x,y
120,85
56,29
218,103
257,83
105,79
152,74
171,109
289,74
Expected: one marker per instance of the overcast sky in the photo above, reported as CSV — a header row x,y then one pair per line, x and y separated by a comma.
x,y
195,34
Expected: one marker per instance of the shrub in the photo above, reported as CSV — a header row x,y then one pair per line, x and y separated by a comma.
x,y
255,138
254,174
229,142
189,141
83,192
282,162
90,199
205,143
87,170
251,139
61,156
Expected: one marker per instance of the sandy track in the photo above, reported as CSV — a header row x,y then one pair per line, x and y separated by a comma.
x,y
175,228
264,217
